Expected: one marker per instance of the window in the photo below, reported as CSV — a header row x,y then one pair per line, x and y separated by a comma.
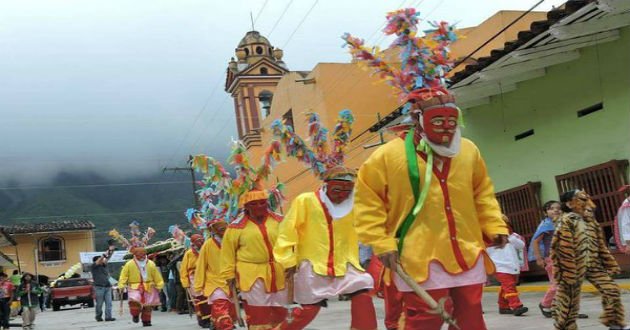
x,y
522,206
264,70
601,182
287,118
246,51
51,248
264,98
259,50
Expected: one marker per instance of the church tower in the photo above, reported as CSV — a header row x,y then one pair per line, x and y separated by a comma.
x,y
251,80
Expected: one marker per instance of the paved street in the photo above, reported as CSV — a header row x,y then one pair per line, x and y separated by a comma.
x,y
335,317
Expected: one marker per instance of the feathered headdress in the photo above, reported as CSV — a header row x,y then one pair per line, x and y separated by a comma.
x,y
324,157
136,239
248,185
424,61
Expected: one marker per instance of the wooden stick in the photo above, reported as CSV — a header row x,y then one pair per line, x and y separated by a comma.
x,y
121,307
237,306
436,308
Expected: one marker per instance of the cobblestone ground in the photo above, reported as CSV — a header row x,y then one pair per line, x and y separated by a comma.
x,y
335,317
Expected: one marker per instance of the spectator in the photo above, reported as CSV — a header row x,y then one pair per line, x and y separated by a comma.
x,y
16,278
162,263
6,293
28,291
508,265
102,285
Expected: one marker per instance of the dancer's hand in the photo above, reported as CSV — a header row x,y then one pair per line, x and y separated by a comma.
x,y
540,262
500,241
289,272
389,259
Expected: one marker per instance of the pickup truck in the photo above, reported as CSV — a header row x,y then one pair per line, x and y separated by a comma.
x,y
72,291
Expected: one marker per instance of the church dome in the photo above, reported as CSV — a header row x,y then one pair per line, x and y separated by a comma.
x,y
253,37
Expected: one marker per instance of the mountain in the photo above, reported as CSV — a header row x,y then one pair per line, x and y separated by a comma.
x,y
156,202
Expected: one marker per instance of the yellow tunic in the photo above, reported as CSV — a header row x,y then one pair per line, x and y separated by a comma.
x,y
307,234
189,263
247,253
459,211
208,274
130,275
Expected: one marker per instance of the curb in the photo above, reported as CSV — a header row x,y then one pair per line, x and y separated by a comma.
x,y
543,288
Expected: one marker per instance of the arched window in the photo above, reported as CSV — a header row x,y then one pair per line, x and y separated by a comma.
x,y
52,248
264,70
246,51
264,100
259,50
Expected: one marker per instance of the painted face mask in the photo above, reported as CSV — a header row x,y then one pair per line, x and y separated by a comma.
x,y
440,124
257,209
338,191
582,203
140,254
197,241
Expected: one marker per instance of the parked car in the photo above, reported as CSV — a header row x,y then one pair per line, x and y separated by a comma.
x,y
72,291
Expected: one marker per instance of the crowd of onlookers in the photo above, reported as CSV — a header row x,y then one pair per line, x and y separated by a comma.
x,y
21,295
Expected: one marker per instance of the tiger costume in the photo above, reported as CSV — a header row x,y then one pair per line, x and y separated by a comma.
x,y
579,251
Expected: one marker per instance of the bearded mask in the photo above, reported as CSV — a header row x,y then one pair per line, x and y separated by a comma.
x,y
197,241
440,124
581,203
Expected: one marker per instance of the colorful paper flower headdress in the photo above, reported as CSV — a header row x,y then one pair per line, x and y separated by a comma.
x,y
136,239
424,61
248,185
324,157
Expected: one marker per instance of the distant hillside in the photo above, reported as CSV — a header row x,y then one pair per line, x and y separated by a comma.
x,y
167,202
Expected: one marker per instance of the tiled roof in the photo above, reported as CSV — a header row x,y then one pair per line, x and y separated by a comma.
x,y
5,238
536,28
61,225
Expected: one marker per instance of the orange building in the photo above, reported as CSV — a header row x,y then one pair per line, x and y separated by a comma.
x,y
49,248
264,90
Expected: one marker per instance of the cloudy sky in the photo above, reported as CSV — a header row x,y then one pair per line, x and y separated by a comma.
x,y
127,87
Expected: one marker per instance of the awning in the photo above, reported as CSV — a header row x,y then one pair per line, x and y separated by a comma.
x,y
5,239
6,262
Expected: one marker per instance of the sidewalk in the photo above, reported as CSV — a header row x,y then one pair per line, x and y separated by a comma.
x,y
542,286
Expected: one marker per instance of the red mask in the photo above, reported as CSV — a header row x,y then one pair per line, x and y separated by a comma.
x,y
338,191
197,240
440,124
258,209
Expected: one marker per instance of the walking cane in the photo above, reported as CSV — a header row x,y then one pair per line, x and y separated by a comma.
x,y
191,303
290,293
121,298
237,306
436,307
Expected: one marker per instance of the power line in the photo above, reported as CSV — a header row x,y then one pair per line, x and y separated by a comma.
x,y
96,215
286,8
260,12
300,24
94,185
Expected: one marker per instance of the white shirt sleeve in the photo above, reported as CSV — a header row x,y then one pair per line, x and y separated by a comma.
x,y
624,220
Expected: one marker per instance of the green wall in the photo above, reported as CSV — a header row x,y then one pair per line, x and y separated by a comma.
x,y
562,142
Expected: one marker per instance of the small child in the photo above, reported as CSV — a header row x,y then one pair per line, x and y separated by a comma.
x,y
508,267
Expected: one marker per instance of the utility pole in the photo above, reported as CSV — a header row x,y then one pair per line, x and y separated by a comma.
x,y
192,175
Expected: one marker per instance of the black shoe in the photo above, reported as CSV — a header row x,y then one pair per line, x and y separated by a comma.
x,y
182,312
110,319
164,309
505,311
99,319
545,313
520,310
584,316
146,324
136,319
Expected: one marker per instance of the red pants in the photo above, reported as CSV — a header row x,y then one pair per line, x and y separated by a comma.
x,y
264,317
137,310
464,306
393,305
361,310
202,309
508,295
222,314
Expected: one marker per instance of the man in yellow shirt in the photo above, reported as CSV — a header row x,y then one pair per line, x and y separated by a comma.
x,y
247,259
425,199
143,280
318,243
208,280
187,277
